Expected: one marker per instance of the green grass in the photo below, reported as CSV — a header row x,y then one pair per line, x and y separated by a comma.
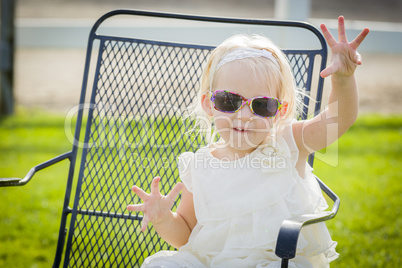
x,y
29,214
367,180
364,170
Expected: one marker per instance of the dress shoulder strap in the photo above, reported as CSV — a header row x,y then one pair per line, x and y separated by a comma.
x,y
286,133
185,163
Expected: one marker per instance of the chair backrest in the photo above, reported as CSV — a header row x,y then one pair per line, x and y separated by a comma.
x,y
134,132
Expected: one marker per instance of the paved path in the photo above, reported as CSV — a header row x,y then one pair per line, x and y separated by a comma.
x,y
51,79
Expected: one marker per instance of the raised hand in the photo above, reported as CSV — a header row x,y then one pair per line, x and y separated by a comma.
x,y
156,207
345,57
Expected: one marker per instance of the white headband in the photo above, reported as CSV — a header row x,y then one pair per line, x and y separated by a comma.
x,y
246,52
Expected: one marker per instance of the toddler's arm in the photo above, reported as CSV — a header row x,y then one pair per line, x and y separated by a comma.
x,y
318,132
174,227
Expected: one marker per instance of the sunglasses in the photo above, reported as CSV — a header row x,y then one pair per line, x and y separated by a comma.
x,y
229,102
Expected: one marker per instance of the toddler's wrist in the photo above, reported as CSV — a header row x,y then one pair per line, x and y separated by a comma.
x,y
163,219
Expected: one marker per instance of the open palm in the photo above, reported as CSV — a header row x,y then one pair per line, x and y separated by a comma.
x,y
156,206
345,57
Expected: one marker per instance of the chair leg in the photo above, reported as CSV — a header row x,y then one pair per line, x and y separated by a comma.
x,y
285,263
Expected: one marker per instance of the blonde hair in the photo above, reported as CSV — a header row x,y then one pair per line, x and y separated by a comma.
x,y
280,81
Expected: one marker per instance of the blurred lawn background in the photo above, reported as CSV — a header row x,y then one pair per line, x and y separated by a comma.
x,y
366,178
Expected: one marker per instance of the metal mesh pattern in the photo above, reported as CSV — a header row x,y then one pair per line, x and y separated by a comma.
x,y
142,91
135,132
300,66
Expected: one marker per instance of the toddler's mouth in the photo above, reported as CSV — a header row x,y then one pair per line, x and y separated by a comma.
x,y
239,129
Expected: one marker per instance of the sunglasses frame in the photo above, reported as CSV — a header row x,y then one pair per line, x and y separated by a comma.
x,y
245,100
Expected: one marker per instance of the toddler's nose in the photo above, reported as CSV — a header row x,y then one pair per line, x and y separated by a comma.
x,y
245,112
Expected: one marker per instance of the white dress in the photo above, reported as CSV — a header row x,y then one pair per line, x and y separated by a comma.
x,y
240,206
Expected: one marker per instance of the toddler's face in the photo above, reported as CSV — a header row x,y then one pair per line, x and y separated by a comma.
x,y
242,131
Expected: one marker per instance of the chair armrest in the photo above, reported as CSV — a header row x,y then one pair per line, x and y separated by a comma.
x,y
28,177
291,228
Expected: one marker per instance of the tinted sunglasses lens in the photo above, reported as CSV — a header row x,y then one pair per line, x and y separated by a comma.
x,y
265,107
227,102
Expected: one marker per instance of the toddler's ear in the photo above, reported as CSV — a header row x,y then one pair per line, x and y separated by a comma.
x,y
282,111
206,104
284,108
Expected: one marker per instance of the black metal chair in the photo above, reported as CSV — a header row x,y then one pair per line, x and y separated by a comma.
x,y
134,131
